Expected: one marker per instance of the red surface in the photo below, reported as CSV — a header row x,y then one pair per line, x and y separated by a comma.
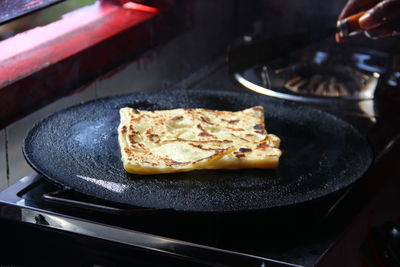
x,y
70,35
31,3
46,63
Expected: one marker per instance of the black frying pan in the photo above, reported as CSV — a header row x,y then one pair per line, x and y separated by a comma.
x,y
77,148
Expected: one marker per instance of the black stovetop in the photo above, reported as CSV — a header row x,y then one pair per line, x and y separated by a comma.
x,y
299,236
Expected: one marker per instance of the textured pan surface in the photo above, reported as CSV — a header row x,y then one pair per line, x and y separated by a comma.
x,y
78,148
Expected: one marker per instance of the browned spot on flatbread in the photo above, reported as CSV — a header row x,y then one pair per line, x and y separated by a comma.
x,y
170,162
218,150
259,108
198,146
154,138
206,120
198,141
128,152
133,143
124,130
239,155
149,162
177,118
241,138
203,131
234,129
263,146
231,121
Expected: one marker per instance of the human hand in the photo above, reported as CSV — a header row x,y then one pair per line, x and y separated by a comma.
x,y
381,20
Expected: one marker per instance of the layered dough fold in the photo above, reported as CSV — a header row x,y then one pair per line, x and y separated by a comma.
x,y
183,139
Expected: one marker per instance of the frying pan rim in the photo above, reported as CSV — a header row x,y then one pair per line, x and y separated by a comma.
x,y
363,138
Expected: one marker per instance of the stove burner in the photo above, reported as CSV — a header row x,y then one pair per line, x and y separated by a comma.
x,y
319,75
325,80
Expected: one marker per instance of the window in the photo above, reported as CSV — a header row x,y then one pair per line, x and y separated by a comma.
x,y
47,62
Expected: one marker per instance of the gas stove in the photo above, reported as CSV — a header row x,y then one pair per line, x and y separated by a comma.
x,y
108,234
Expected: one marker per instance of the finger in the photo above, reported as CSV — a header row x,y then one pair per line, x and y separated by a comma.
x,y
384,31
382,13
355,6
339,38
